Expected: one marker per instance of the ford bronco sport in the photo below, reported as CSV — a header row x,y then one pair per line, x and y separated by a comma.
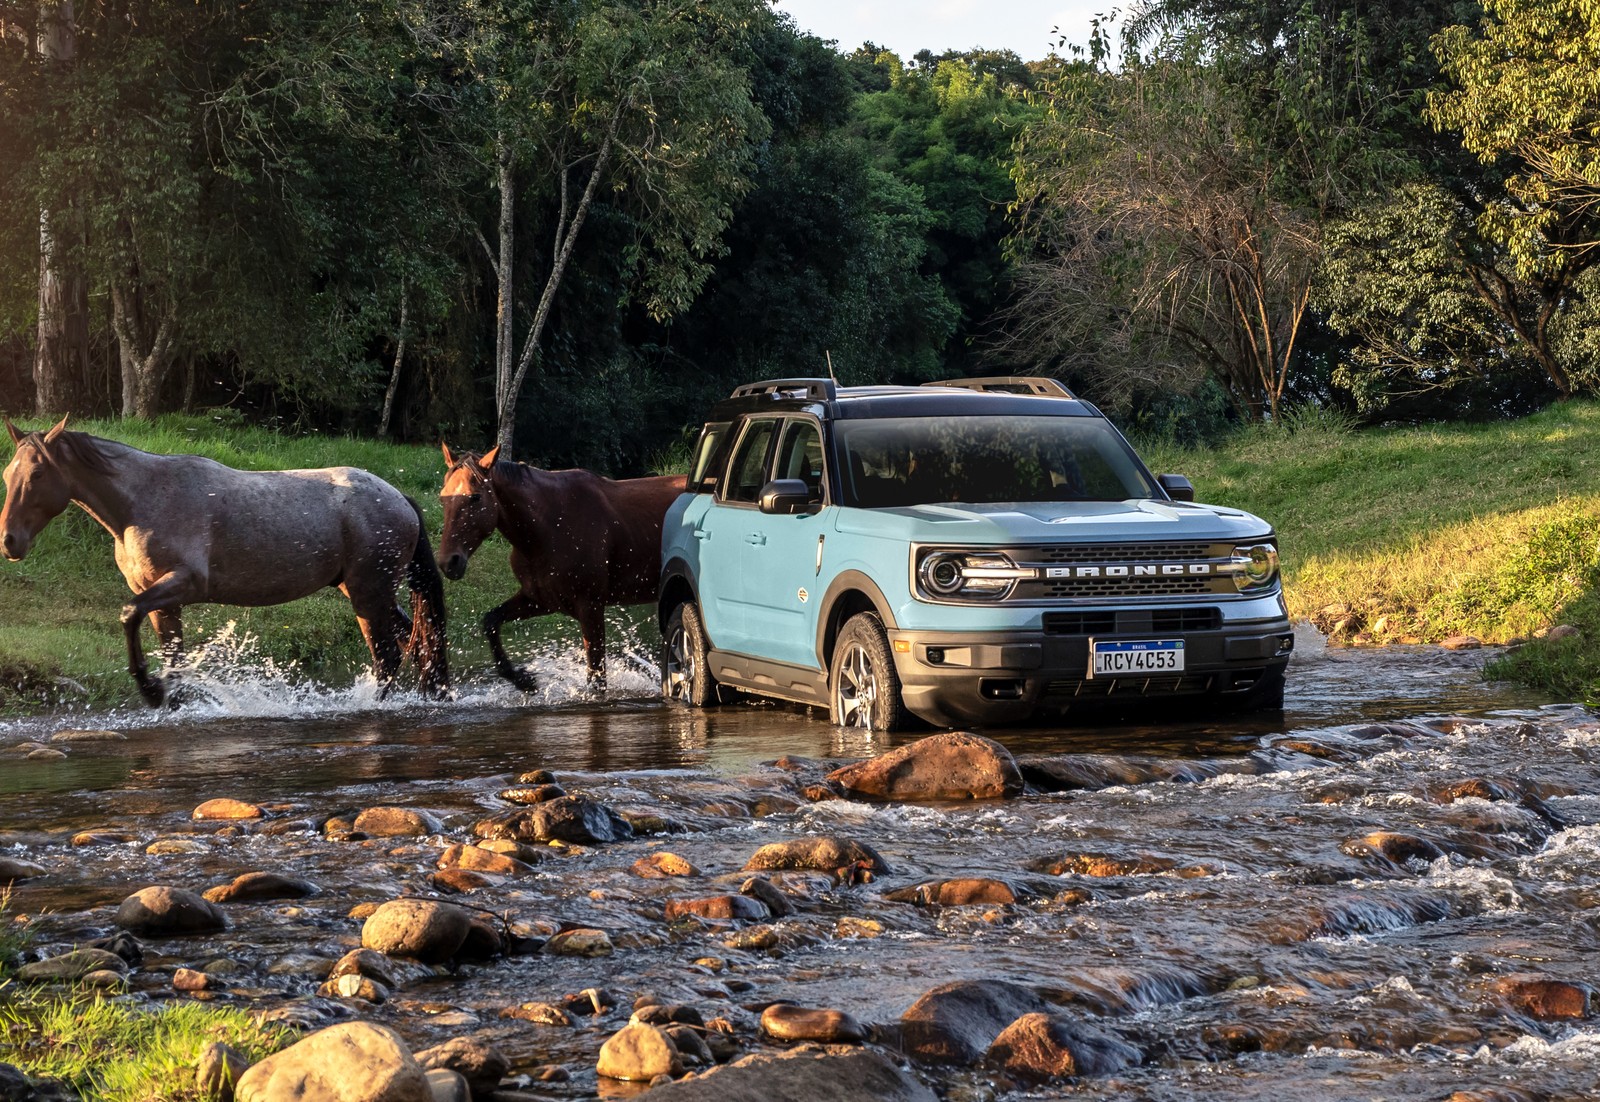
x,y
967,553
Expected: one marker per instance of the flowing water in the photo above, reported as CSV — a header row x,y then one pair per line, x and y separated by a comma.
x,y
1216,908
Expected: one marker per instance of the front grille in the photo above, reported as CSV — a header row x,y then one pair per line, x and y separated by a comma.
x,y
1162,620
1079,623
1122,555
1183,619
1124,587
1120,552
1100,688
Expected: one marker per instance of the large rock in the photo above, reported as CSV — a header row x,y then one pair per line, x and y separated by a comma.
x,y
253,887
802,1074
1545,997
480,1063
353,1062
566,819
71,966
739,908
159,911
418,928
951,766
226,810
956,1023
824,852
638,1053
960,892
787,1022
478,859
13,869
395,822
217,1070
1040,1047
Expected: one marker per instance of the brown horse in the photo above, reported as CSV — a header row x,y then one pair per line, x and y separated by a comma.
x,y
187,530
579,542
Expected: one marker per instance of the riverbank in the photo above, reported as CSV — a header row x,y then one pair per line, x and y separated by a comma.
x,y
1388,535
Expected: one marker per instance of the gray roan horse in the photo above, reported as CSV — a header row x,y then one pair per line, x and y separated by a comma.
x,y
188,531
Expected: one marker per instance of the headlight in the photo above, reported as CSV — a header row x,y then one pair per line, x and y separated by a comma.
x,y
1257,565
973,575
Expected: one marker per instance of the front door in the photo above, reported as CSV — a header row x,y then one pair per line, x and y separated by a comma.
x,y
723,533
782,556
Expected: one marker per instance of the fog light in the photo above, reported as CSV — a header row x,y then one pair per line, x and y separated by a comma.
x,y
936,656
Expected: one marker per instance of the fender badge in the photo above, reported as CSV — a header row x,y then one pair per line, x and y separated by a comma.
x,y
803,595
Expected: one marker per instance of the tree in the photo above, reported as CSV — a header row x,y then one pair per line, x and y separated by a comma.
x,y
1526,101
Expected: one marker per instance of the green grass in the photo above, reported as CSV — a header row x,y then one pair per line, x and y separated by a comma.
x,y
1417,534
59,607
113,1051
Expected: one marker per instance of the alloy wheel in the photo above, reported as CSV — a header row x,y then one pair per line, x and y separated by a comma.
x,y
857,692
680,671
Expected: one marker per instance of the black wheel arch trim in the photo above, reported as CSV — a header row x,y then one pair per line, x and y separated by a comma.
x,y
827,628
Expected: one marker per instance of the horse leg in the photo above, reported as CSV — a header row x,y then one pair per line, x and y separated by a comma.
x,y
380,626
170,592
520,607
168,623
592,622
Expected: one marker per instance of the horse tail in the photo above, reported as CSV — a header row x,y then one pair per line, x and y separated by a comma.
x,y
427,646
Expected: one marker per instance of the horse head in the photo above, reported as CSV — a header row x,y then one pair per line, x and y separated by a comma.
x,y
37,489
471,512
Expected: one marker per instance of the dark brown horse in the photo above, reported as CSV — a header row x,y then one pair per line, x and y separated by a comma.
x,y
187,530
579,542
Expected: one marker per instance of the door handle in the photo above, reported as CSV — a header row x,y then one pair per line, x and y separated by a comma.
x,y
701,534
756,538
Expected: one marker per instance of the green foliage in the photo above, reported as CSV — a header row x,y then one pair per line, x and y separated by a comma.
x,y
111,1051
1529,584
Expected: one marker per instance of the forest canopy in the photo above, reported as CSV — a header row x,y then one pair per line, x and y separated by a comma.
x,y
569,226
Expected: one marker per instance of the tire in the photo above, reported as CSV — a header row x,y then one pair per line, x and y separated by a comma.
x,y
686,660
863,686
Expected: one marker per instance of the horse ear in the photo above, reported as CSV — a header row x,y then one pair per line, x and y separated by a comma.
x,y
16,433
449,456
56,430
487,462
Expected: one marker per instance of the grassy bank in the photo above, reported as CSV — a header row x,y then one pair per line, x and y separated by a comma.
x,y
1419,534
1389,535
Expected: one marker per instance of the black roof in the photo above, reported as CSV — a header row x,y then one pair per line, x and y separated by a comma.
x,y
825,399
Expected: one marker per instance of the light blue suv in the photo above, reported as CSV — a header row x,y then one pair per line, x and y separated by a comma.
x,y
969,553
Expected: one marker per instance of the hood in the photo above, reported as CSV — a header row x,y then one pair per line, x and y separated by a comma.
x,y
1002,523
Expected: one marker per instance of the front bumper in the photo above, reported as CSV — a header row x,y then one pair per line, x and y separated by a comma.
x,y
996,677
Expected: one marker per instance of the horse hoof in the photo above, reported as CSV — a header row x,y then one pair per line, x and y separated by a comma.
x,y
153,691
521,678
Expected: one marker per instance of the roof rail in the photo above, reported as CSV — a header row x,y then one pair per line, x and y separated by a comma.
x,y
1011,384
820,389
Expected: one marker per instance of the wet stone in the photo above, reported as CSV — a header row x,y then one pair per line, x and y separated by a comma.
x,y
101,838
105,979
638,1053
823,852
159,911
956,1023
961,892
660,865
538,1014
176,847
1100,865
536,776
46,754
950,766
1040,1047
1544,997
88,735
581,942
448,1086
479,1063
395,822
567,819
737,908
71,966
664,1014
531,794
1395,848
253,887
14,870
226,809
692,1049
218,1069
805,1072
423,929
461,881
647,821
353,1062
787,1022
759,887
480,859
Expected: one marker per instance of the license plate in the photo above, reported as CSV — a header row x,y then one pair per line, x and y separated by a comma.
x,y
1123,658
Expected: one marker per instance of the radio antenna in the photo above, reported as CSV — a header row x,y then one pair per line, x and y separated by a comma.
x,y
829,357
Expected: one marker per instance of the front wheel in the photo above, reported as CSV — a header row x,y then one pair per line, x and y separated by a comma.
x,y
864,689
685,659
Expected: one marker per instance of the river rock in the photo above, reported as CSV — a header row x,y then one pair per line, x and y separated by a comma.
x,y
1461,642
218,1070
1397,849
71,966
462,881
177,847
478,859
102,735
787,1022
481,1064
739,908
581,942
253,887
566,819
373,965
160,911
660,864
13,869
803,1074
226,809
1544,997
531,794
759,887
960,892
951,766
1102,865
638,1053
826,852
956,1023
353,1062
189,979
448,1086
45,753
692,1048
538,1014
665,1014
101,838
420,928
1040,1047
395,822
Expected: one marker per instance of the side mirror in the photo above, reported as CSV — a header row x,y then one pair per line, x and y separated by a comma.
x,y
786,496
1177,486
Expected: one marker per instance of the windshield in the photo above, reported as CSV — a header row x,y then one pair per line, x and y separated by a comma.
x,y
927,460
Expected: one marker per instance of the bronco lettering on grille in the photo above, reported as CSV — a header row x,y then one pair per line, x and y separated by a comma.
x,y
1167,570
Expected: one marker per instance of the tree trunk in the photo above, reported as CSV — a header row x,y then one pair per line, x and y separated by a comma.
x,y
504,399
399,361
61,357
143,372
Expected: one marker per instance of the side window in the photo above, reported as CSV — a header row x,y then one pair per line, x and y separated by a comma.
x,y
703,475
800,455
748,471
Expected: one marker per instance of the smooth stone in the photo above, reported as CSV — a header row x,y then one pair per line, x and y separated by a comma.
x,y
807,1073
252,887
479,859
101,838
419,928
226,809
827,853
373,965
13,870
954,765
538,1014
352,1062
531,793
739,908
354,987
1040,1047
581,942
959,892
462,881
448,1086
665,1014
1397,849
70,966
576,819
161,911
955,1023
188,979
395,822
1461,642
218,1070
662,865
638,1053
176,847
1100,865
1544,997
93,735
787,1022
759,887
105,979
46,754
692,1049
479,1063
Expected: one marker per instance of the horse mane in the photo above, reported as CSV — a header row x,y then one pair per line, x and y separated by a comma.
x,y
79,449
